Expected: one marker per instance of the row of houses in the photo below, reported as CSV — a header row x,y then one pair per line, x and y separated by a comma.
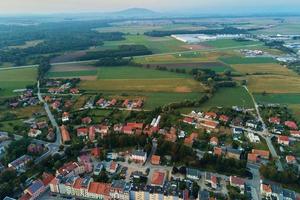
x,y
127,103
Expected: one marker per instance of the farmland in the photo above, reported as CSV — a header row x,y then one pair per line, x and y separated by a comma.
x,y
246,60
274,84
16,79
223,43
266,68
228,97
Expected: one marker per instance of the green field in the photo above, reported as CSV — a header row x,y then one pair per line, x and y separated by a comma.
x,y
246,60
278,98
128,72
71,73
156,45
224,43
228,97
16,79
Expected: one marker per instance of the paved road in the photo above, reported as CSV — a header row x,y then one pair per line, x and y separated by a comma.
x,y
265,133
50,116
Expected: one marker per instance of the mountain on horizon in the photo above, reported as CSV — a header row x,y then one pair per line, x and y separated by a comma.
x,y
136,12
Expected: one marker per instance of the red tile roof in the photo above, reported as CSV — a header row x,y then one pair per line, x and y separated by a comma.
x,y
155,160
65,135
290,159
96,152
274,120
214,140
252,157
237,180
295,133
211,115
158,178
47,178
218,151
77,184
224,118
262,153
188,120
99,188
291,124
283,138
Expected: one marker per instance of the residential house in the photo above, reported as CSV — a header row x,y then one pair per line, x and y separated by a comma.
x,y
155,160
262,153
224,118
74,91
70,169
291,125
237,131
113,102
86,120
266,190
86,161
193,174
218,151
55,105
284,140
96,152
92,135
233,153
82,132
139,156
65,117
189,141
210,115
253,157
252,124
188,120
34,190
65,135
214,141
209,124
34,132
113,167
20,163
274,120
290,159
237,182
295,134
211,180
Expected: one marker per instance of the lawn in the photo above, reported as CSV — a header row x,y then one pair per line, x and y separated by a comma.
x,y
224,43
156,45
16,79
246,60
296,110
274,84
228,97
266,68
61,74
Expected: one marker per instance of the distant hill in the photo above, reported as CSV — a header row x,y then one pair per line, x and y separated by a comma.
x,y
136,12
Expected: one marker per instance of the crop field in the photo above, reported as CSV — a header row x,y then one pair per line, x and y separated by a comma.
x,y
156,87
262,69
295,108
286,28
27,44
274,84
156,45
72,67
246,60
16,79
223,43
128,72
278,98
228,97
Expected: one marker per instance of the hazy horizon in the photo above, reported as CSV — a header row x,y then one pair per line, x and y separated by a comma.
x,y
193,6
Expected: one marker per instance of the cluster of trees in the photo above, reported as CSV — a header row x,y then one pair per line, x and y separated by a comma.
x,y
122,51
8,181
179,153
113,61
279,45
269,171
55,37
16,149
223,165
187,103
226,30
43,68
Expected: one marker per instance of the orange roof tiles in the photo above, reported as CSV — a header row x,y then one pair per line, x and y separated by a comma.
x,y
262,153
158,178
155,160
65,135
99,188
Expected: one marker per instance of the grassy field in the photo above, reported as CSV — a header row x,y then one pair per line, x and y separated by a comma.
x,y
296,110
223,43
228,97
246,60
274,84
262,69
128,72
156,45
27,44
63,74
278,98
142,80
16,79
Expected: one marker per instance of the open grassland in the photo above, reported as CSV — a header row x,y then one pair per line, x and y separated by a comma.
x,y
263,69
222,43
285,28
128,72
66,74
228,97
23,113
182,85
72,67
274,84
246,60
16,79
278,98
156,45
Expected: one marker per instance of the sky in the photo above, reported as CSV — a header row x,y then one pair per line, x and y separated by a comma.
x,y
207,6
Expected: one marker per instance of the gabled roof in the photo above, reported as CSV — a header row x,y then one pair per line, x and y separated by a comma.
x,y
158,178
34,187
